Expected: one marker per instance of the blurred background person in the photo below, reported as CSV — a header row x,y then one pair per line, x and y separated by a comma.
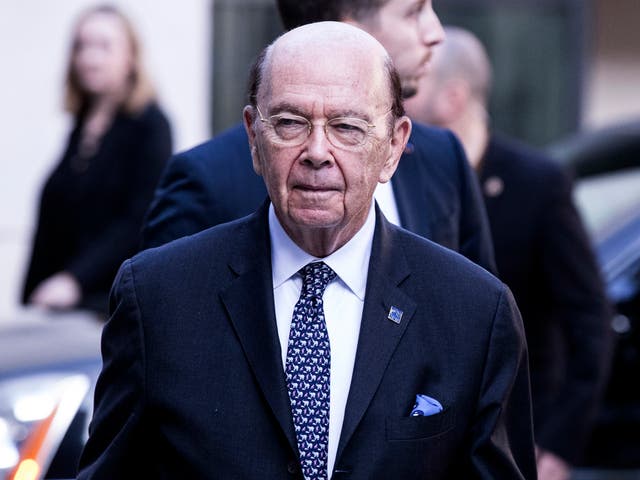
x,y
92,205
542,252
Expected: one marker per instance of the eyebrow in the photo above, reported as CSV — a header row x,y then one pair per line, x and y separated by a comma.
x,y
287,107
349,113
333,113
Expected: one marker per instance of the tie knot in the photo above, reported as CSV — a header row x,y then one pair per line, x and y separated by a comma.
x,y
315,278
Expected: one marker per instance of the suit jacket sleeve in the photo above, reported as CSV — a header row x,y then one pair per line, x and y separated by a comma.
x,y
475,232
502,434
581,310
113,449
210,184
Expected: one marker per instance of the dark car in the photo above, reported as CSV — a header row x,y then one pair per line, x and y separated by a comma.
x,y
610,204
48,367
606,165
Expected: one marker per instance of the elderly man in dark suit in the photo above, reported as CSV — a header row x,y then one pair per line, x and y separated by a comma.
x,y
313,339
542,251
433,193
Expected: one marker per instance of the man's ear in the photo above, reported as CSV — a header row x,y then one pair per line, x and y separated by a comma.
x,y
399,139
249,119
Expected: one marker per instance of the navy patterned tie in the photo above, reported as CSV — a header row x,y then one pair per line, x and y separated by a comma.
x,y
308,371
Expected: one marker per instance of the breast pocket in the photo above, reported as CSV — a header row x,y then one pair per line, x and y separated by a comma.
x,y
419,428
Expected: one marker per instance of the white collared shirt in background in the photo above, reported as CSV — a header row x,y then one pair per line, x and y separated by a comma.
x,y
343,303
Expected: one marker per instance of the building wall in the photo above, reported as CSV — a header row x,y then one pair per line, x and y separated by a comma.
x,y
613,84
34,44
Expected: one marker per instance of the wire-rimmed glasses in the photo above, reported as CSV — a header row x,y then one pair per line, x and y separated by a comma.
x,y
349,133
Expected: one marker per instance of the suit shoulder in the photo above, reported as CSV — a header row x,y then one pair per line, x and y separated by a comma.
x,y
437,149
434,144
520,165
212,243
516,160
220,165
217,150
428,133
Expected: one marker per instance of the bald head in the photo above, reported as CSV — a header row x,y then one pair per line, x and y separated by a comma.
x,y
459,80
327,35
321,45
455,91
462,56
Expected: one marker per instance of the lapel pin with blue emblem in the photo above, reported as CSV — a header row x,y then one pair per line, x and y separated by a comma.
x,y
395,315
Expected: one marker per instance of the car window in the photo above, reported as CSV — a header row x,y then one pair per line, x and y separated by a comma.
x,y
608,201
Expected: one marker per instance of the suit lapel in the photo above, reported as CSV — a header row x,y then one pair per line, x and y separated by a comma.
x,y
249,302
379,336
408,191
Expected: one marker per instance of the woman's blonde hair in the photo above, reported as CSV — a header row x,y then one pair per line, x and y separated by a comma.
x,y
141,91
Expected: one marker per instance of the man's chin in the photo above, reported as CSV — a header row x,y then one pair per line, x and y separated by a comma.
x,y
315,219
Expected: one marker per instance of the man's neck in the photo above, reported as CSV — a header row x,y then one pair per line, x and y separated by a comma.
x,y
472,129
322,242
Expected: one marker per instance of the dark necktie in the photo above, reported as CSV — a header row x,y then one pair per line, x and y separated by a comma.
x,y
308,371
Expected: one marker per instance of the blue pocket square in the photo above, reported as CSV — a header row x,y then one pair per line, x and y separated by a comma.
x,y
425,406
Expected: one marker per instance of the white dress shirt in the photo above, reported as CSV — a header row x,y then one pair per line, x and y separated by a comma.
x,y
343,303
387,202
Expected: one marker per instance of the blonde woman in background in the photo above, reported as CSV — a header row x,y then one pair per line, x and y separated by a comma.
x,y
94,201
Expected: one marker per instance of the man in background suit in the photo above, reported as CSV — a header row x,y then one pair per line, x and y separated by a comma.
x,y
400,358
434,193
542,252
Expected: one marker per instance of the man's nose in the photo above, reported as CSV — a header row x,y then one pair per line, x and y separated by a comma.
x,y
318,151
431,30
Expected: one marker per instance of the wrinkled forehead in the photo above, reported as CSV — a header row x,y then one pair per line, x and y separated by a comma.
x,y
341,66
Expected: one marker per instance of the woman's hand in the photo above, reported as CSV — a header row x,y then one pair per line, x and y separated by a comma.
x,y
58,292
551,467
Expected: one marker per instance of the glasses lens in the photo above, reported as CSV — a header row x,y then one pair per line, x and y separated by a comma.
x,y
290,129
293,130
347,132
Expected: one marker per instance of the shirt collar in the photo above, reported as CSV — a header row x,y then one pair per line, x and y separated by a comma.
x,y
350,262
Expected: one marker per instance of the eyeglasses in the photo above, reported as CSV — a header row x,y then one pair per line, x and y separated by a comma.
x,y
290,130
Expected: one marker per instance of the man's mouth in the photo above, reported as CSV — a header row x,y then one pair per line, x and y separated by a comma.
x,y
318,191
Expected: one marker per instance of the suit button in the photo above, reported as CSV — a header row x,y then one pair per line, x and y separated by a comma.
x,y
292,467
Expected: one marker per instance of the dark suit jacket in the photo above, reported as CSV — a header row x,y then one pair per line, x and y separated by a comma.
x,y
435,190
544,256
193,384
91,209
